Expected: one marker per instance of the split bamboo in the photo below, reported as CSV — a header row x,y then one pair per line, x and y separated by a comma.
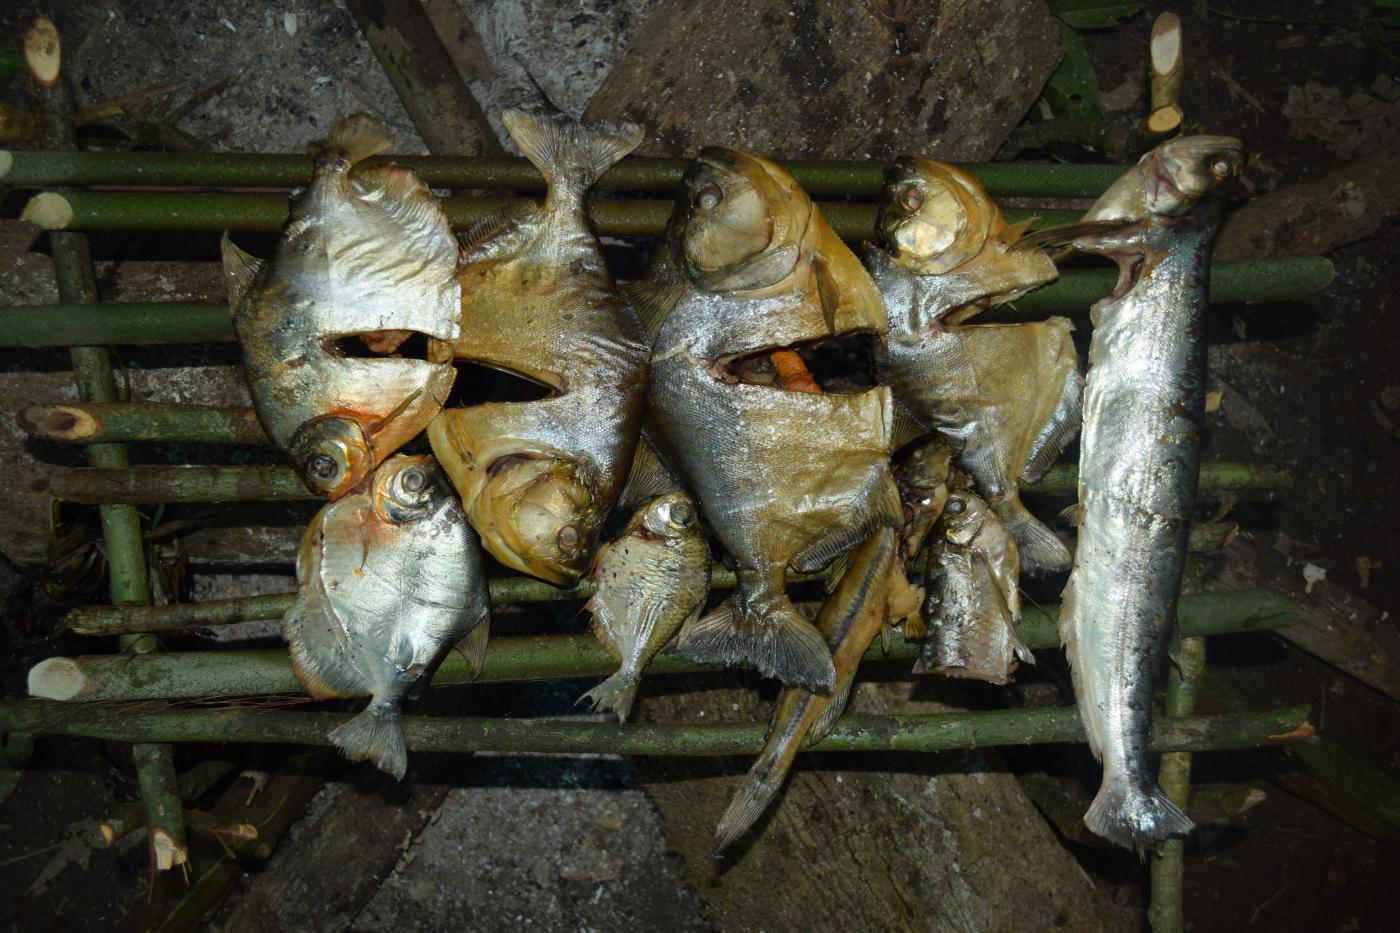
x,y
203,322
922,733
259,672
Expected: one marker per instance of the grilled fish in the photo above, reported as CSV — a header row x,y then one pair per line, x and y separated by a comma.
x,y
1138,464
389,578
366,261
973,602
786,478
652,580
1006,395
538,477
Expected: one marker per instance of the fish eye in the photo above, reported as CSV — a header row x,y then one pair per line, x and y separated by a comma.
x,y
568,537
956,507
414,480
681,515
1221,169
322,466
707,197
911,199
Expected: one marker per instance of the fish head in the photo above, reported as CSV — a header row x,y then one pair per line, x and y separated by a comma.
x,y
739,221
409,488
1182,172
933,217
923,478
537,514
963,517
332,455
670,516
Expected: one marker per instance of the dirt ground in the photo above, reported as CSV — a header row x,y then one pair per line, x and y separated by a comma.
x,y
1313,383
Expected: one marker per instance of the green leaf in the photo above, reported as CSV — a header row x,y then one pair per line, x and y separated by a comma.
x,y
1093,14
1073,90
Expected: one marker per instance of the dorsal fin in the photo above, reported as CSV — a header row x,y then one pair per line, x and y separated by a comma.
x,y
1064,234
490,226
653,299
648,478
240,269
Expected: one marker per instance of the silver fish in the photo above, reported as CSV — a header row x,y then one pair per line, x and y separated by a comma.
x,y
1138,464
1007,395
366,261
389,578
650,581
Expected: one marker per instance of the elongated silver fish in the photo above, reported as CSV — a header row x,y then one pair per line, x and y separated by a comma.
x,y
389,578
651,580
366,261
1006,395
1138,465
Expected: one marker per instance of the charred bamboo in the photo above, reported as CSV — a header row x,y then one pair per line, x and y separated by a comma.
x,y
198,322
556,657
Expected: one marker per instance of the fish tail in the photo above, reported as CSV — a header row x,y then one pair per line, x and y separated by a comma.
x,y
375,735
570,155
353,139
1040,549
791,720
1134,816
775,639
617,694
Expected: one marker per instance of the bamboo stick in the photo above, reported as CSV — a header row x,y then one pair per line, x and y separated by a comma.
x,y
1166,912
43,169
257,672
199,322
193,784
854,733
114,422
1167,72
266,213
92,371
146,485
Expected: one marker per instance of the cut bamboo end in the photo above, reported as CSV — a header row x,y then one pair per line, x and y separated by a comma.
x,y
58,423
49,210
43,52
166,852
1165,119
7,162
57,679
1166,44
110,833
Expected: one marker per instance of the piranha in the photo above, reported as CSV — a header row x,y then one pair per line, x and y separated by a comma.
x,y
973,601
1006,395
389,579
786,477
651,580
365,264
539,477
1138,464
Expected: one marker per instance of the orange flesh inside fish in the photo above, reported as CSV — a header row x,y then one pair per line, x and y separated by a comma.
x,y
793,374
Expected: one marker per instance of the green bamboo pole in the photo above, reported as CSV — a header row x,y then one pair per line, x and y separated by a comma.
x,y
258,672
38,169
147,485
1166,911
193,784
934,732
214,213
204,322
92,371
115,422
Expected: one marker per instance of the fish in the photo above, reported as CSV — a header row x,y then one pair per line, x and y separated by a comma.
x,y
539,477
389,578
786,478
365,262
651,580
1138,464
923,475
1007,395
973,599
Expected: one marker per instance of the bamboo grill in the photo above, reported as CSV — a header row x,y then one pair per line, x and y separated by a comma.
x,y
127,696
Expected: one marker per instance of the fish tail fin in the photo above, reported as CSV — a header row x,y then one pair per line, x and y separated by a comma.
x,y
1040,549
766,776
617,694
1133,816
375,735
780,643
570,155
353,139
821,727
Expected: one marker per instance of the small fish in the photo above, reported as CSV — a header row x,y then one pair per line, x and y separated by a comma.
x,y
923,475
389,578
787,478
539,477
1006,395
366,261
1138,464
650,581
973,602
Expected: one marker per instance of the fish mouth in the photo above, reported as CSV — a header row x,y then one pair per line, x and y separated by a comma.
x,y
825,366
480,382
388,344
